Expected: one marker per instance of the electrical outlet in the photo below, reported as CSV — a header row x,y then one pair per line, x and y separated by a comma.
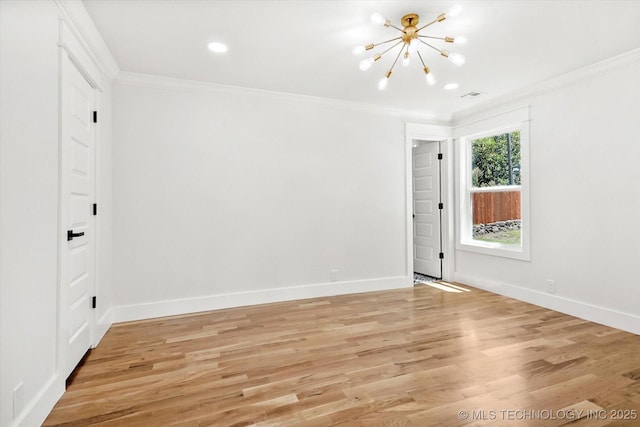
x,y
18,400
551,286
334,275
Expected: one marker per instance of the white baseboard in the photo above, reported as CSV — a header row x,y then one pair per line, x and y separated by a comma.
x,y
125,313
37,409
594,313
101,327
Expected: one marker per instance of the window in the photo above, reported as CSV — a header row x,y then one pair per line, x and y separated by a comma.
x,y
494,191
495,188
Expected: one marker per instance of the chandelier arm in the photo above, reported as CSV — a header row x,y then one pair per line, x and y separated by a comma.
x,y
432,47
432,37
397,28
421,60
396,60
386,41
426,25
388,49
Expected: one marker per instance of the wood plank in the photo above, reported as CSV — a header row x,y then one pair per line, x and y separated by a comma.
x,y
409,357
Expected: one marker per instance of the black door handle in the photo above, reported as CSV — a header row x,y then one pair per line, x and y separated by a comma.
x,y
71,234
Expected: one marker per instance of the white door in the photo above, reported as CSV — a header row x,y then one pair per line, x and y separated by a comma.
x,y
426,220
77,172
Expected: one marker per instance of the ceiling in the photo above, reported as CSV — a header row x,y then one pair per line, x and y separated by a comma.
x,y
304,46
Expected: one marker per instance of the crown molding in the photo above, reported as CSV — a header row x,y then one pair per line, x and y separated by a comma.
x,y
83,28
161,82
549,85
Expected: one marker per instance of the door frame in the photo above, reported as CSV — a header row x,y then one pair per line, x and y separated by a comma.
x,y
424,132
438,149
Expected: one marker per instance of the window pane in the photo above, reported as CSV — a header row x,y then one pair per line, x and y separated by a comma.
x,y
497,217
495,160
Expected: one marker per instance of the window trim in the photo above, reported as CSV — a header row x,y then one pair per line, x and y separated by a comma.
x,y
507,122
496,189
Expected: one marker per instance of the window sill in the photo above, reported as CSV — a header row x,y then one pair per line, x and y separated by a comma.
x,y
496,249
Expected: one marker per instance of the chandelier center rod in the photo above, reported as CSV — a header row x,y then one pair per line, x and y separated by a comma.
x,y
410,23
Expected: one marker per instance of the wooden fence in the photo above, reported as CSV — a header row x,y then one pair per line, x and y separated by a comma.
x,y
496,206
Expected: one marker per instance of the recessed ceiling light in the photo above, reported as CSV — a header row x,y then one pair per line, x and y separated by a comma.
x,y
451,86
217,47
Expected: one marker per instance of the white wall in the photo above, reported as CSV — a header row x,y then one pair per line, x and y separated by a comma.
x,y
28,200
584,201
238,197
29,224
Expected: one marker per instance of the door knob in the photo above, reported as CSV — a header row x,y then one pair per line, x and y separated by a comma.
x,y
71,234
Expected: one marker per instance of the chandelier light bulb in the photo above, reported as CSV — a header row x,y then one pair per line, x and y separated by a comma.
x,y
358,50
365,64
382,84
460,40
431,80
413,47
378,19
454,11
456,58
406,59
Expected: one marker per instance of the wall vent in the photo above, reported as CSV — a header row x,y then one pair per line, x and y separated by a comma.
x,y
471,94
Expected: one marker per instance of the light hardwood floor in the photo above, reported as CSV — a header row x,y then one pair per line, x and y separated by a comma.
x,y
411,357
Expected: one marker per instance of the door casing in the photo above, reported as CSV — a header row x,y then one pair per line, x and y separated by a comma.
x,y
416,131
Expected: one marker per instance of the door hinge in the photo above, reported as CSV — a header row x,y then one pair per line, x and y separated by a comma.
x,y
93,302
441,255
95,209
95,117
439,156
440,205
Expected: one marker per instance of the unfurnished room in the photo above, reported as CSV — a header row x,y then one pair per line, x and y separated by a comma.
x,y
319,213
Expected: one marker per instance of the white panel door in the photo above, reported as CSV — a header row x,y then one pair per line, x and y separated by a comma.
x,y
77,172
426,220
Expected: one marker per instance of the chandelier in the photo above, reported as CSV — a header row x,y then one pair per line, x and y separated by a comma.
x,y
411,39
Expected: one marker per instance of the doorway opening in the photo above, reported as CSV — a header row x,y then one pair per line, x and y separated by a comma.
x,y
427,210
422,279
